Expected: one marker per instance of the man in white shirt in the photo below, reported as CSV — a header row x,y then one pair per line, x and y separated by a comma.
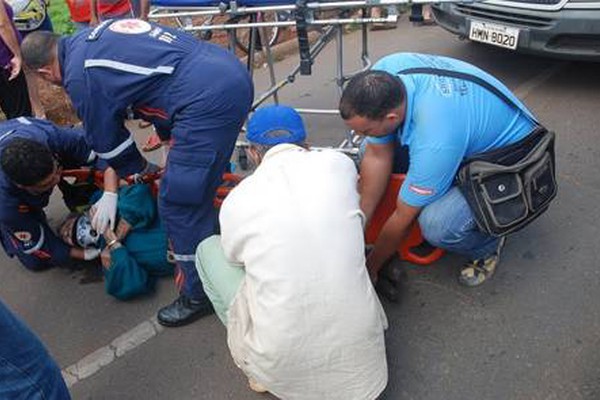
x,y
287,275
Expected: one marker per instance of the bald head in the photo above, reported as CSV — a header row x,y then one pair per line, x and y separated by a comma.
x,y
39,51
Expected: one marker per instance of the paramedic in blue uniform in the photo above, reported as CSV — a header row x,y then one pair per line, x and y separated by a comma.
x,y
32,155
196,94
442,120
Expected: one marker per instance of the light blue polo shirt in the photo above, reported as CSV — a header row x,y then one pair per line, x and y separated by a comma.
x,y
448,119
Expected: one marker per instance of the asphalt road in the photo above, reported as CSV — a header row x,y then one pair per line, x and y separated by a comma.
x,y
533,332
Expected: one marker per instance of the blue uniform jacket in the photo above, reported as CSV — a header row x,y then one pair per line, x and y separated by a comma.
x,y
153,70
22,218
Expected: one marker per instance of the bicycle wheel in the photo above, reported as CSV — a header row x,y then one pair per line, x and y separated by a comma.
x,y
242,36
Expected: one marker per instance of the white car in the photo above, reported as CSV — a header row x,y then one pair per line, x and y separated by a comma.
x,y
559,28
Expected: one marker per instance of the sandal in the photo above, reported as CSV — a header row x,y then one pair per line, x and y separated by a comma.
x,y
476,272
152,143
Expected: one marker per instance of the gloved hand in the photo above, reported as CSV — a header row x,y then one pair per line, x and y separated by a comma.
x,y
91,253
104,212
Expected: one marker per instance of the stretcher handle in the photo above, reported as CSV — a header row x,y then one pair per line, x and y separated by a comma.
x,y
146,178
229,182
407,255
84,174
414,238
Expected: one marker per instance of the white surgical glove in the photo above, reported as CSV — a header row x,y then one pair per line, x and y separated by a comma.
x,y
104,212
91,253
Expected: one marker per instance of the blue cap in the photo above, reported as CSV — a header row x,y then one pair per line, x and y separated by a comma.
x,y
273,125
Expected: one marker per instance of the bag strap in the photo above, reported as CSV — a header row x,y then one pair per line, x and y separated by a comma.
x,y
472,78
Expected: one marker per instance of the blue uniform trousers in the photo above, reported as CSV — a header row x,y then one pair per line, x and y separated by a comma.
x,y
204,136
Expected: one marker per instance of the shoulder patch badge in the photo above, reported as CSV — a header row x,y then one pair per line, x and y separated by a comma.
x,y
130,26
420,190
23,236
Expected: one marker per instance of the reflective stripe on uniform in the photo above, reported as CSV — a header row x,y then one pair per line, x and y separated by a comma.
x,y
134,69
184,257
6,134
91,157
24,120
117,150
38,245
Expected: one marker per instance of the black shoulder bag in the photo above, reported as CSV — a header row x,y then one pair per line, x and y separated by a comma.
x,y
509,187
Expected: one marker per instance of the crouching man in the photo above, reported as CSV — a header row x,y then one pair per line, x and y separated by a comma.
x,y
287,275
33,154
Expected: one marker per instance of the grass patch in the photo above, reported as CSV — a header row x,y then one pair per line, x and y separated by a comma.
x,y
61,18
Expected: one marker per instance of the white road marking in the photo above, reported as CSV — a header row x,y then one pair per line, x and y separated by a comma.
x,y
104,356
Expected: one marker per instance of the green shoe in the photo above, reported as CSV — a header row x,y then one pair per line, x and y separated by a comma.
x,y
475,272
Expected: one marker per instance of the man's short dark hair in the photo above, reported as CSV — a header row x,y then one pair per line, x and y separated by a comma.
x,y
26,162
372,95
38,47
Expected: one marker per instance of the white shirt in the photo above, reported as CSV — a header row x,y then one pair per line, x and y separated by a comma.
x,y
306,322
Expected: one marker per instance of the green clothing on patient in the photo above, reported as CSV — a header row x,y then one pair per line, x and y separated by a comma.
x,y
143,254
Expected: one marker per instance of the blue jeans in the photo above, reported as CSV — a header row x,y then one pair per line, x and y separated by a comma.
x,y
449,223
26,369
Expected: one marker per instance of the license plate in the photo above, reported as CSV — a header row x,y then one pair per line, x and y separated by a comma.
x,y
497,35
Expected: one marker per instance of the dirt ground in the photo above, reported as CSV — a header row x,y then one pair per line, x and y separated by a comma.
x,y
57,104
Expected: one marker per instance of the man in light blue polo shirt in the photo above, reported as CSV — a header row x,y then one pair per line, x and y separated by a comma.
x,y
443,120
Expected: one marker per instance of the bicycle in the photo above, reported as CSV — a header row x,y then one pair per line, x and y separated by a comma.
x,y
238,37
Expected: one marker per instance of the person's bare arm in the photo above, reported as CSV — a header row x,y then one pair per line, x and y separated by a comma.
x,y
112,243
375,170
34,94
76,253
111,184
144,9
123,228
94,13
84,254
9,37
393,232
111,180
